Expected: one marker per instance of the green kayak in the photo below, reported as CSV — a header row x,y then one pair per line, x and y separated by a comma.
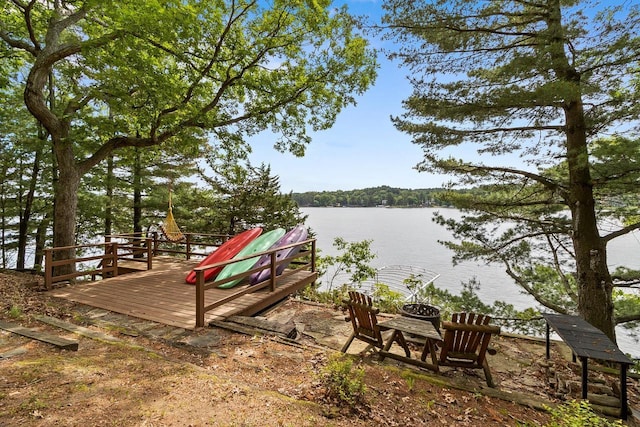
x,y
259,244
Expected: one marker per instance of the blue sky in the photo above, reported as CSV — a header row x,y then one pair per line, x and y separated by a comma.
x,y
363,149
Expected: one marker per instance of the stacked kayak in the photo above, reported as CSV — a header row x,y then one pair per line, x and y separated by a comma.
x,y
297,234
225,252
244,245
260,244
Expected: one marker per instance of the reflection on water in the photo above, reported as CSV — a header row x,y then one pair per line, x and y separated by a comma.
x,y
410,237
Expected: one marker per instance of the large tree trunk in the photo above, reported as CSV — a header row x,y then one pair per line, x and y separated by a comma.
x,y
595,303
65,210
592,273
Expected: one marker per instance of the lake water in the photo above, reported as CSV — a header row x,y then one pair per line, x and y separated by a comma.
x,y
410,237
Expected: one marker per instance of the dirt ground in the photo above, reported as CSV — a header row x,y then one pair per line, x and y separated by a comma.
x,y
237,379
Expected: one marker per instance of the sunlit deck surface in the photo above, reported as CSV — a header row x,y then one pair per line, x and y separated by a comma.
x,y
161,294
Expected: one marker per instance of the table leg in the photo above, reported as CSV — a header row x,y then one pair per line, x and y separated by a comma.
x,y
430,347
548,333
585,376
403,343
387,345
624,409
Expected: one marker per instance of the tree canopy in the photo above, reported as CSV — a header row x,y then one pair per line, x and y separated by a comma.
x,y
540,90
101,75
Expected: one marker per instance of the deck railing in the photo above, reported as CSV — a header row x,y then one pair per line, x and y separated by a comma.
x,y
193,244
104,259
305,259
94,259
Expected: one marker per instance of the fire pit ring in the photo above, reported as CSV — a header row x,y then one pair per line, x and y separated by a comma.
x,y
422,312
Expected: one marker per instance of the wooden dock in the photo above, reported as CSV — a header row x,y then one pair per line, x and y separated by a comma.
x,y
161,294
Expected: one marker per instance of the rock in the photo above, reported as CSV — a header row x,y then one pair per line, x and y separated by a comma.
x,y
575,388
603,400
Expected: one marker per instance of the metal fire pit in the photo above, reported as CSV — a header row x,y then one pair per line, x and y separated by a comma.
x,y
422,312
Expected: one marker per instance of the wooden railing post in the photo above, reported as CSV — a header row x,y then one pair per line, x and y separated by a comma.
x,y
272,280
114,254
136,243
200,298
188,237
48,268
155,243
313,255
149,242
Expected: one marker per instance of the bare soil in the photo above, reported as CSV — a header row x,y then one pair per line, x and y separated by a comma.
x,y
236,379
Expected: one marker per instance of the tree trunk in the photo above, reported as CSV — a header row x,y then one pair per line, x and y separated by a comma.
x,y
3,223
137,200
108,215
594,282
41,241
65,210
595,303
25,218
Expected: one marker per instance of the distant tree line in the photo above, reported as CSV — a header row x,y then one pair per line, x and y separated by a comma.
x,y
370,197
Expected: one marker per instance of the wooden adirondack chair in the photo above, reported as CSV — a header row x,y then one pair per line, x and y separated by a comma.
x,y
466,341
363,318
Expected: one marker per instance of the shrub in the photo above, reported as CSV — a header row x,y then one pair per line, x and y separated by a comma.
x,y
343,382
578,414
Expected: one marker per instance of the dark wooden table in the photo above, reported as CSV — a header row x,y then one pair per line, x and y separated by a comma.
x,y
586,341
414,327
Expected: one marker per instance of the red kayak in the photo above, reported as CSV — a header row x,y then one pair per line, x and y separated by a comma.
x,y
225,252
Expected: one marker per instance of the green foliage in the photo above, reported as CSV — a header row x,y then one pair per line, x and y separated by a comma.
x,y
344,382
525,113
15,312
410,378
24,205
627,305
333,296
248,196
525,321
468,300
175,75
352,260
351,266
578,414
387,300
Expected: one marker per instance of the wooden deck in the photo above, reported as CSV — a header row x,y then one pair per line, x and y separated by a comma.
x,y
162,296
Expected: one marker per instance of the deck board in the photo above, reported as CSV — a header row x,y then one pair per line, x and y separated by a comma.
x,y
161,294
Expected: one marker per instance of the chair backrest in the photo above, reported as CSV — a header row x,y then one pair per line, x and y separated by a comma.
x,y
466,339
363,318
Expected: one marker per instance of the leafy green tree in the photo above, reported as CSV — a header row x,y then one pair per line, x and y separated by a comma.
x,y
24,163
248,196
533,83
342,272
142,73
351,263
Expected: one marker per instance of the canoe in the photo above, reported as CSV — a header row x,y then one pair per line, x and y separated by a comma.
x,y
260,244
224,252
296,234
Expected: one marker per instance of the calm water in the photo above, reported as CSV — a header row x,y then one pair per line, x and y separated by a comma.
x,y
410,237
